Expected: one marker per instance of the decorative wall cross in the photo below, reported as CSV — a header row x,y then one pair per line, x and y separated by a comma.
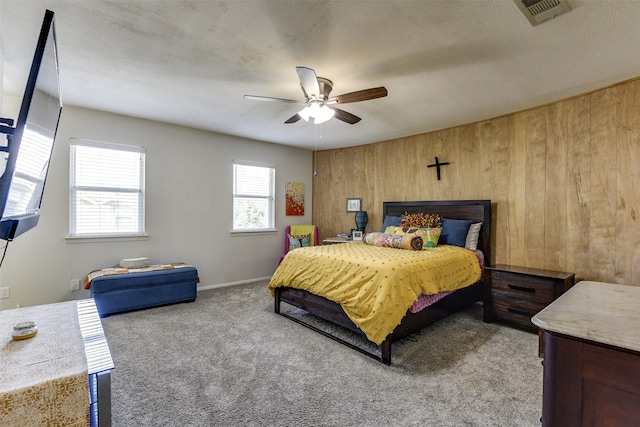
x,y
437,165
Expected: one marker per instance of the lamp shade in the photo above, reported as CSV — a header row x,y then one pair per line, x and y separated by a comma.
x,y
361,220
324,113
305,113
319,113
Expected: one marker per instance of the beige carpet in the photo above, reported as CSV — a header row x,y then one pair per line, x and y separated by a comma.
x,y
228,360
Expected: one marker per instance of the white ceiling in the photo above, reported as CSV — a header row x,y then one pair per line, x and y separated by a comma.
x,y
444,63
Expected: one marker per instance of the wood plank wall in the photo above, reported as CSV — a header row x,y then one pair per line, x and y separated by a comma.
x,y
564,181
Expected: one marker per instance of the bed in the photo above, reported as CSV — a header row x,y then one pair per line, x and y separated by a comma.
x,y
478,211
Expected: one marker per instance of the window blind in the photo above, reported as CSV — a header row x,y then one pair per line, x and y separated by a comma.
x,y
253,197
107,190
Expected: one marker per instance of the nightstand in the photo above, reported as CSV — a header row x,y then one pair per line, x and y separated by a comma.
x,y
335,241
515,294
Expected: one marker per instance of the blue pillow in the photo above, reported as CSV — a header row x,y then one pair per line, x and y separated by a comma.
x,y
301,241
391,220
454,232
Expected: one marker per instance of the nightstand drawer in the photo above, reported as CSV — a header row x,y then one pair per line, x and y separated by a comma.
x,y
518,307
515,313
539,289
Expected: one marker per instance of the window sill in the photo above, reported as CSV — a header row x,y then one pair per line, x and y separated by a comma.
x,y
252,232
100,239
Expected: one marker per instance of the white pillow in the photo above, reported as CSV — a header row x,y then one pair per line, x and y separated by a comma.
x,y
134,262
472,236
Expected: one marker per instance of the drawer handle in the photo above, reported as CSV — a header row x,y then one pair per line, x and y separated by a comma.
x,y
522,288
518,311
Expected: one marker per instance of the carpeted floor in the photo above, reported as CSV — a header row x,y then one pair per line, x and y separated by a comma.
x,y
228,360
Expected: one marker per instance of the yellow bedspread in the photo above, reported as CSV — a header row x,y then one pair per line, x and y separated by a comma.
x,y
376,285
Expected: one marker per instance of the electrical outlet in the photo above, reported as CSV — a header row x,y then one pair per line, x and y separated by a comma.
x,y
4,293
75,285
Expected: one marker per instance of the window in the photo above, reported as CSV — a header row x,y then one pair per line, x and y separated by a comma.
x,y
253,197
106,190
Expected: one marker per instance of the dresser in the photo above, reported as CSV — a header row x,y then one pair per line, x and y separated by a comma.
x,y
592,356
514,294
61,376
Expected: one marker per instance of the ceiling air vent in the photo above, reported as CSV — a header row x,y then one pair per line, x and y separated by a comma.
x,y
538,11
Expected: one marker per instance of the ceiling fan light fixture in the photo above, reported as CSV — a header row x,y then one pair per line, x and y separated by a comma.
x,y
324,114
318,113
305,113
314,109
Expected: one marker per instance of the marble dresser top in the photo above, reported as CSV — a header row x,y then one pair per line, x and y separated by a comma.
x,y
43,380
602,312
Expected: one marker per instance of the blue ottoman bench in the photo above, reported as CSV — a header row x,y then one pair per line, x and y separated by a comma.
x,y
118,290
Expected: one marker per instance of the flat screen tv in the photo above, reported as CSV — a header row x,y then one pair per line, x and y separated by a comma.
x,y
25,153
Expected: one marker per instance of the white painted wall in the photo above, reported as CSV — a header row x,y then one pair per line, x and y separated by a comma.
x,y
188,205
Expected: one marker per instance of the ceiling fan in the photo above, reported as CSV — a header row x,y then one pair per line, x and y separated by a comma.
x,y
318,103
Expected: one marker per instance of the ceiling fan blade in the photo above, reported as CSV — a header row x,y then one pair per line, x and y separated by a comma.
x,y
293,119
268,98
309,82
345,117
360,95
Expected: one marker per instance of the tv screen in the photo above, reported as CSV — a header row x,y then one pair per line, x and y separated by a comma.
x,y
29,144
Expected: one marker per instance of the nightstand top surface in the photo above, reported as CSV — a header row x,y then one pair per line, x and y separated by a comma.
x,y
531,271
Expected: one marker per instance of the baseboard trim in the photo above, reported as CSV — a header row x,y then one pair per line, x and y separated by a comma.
x,y
224,285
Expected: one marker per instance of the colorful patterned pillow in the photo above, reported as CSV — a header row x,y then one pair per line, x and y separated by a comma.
x,y
300,241
429,236
406,241
421,220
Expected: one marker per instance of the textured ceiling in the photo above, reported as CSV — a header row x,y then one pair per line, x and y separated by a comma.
x,y
444,63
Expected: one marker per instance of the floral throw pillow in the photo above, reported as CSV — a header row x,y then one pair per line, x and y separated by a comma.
x,y
421,220
299,241
405,241
429,236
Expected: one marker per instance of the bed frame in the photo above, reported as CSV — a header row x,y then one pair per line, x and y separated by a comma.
x,y
475,210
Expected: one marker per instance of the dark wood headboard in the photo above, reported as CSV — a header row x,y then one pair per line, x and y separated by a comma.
x,y
475,210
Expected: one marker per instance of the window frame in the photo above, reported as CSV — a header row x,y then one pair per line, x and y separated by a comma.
x,y
271,227
73,188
